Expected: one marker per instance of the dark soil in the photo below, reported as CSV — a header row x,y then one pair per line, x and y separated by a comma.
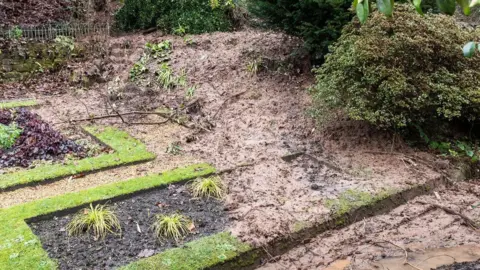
x,y
38,141
114,251
34,12
461,266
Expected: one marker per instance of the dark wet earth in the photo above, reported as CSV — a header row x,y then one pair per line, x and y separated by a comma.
x,y
461,266
114,251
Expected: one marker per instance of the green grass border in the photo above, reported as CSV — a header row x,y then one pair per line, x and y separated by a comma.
x,y
128,150
7,104
202,253
20,248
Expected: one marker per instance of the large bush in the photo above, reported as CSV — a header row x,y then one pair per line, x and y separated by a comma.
x,y
406,70
195,16
318,22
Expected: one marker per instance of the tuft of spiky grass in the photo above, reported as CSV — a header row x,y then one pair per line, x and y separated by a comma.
x,y
208,187
100,220
173,226
254,65
165,76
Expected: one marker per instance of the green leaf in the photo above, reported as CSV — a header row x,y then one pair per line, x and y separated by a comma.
x,y
386,7
433,145
446,6
444,146
469,49
418,6
355,3
465,6
469,153
461,146
363,10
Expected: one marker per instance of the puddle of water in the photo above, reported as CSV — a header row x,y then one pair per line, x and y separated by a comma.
x,y
339,265
433,258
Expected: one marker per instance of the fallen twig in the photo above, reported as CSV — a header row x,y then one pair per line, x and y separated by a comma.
x,y
120,115
292,156
324,162
226,100
467,220
405,260
228,170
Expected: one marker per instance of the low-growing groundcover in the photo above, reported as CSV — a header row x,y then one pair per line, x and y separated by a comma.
x,y
192,16
24,137
401,71
134,241
127,150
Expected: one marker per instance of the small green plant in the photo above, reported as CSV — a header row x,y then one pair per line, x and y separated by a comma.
x,y
208,187
254,65
452,149
9,135
188,40
100,220
65,42
190,91
15,33
182,78
180,31
40,67
174,226
174,148
165,76
140,67
159,50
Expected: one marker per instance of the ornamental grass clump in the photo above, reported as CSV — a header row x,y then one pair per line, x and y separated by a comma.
x,y
173,226
100,220
208,187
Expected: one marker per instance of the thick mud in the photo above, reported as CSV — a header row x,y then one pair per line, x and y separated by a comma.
x,y
430,236
137,240
239,118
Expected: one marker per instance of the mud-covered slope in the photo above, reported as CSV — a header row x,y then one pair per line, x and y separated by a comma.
x,y
34,12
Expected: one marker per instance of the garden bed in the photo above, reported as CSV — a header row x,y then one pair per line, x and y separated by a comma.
x,y
25,138
84,252
126,150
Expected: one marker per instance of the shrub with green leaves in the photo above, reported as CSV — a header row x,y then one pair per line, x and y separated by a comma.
x,y
318,22
9,135
400,71
194,16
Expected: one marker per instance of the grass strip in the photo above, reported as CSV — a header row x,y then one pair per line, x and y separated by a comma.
x,y
20,248
18,103
202,253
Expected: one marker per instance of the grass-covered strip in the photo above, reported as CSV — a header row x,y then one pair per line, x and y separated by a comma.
x,y
17,103
127,150
199,254
21,249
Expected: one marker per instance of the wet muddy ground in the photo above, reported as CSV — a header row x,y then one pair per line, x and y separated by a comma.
x,y
250,122
137,240
429,235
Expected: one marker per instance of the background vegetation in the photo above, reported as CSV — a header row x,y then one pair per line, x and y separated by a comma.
x,y
194,16
401,71
318,22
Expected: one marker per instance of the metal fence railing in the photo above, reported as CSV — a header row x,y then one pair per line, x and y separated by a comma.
x,y
49,32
